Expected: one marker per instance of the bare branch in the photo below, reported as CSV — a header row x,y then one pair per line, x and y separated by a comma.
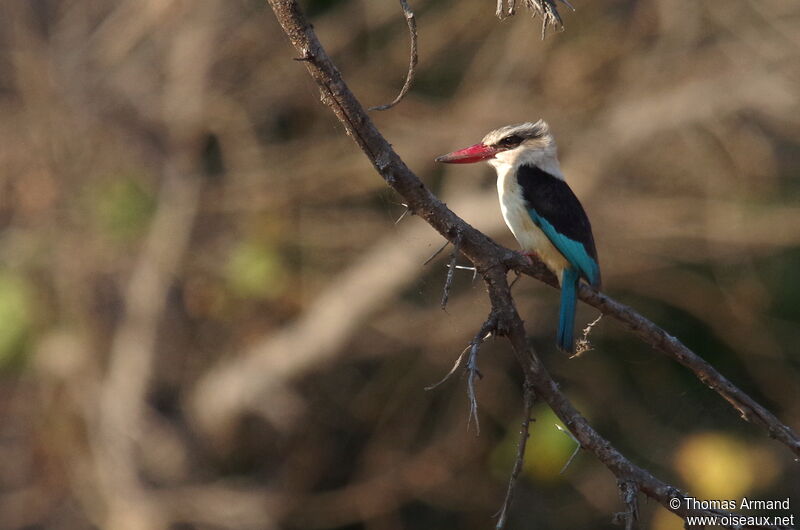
x,y
522,443
648,332
476,246
510,323
493,262
412,62
658,338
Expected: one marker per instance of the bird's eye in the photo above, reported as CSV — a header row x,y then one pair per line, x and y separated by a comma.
x,y
510,141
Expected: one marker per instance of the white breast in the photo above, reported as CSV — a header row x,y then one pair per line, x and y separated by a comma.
x,y
516,216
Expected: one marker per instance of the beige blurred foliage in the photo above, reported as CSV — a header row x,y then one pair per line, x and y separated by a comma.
x,y
717,466
209,318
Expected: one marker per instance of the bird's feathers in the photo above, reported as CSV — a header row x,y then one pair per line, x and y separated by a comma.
x,y
515,212
526,131
556,210
566,316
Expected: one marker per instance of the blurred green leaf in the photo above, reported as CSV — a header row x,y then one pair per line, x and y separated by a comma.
x,y
122,208
547,450
255,270
16,316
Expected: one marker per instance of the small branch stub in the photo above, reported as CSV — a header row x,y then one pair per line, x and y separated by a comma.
x,y
629,492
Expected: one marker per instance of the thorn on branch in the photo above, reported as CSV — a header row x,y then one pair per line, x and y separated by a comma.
x,y
473,270
435,253
412,63
405,212
583,345
524,433
574,453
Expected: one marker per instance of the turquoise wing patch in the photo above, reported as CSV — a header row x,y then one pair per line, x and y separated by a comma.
x,y
574,251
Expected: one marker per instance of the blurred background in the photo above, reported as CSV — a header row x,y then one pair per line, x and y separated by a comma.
x,y
210,318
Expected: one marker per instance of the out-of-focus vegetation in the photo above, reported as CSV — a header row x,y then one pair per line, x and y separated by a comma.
x,y
209,318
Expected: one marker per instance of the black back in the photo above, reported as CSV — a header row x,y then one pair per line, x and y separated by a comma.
x,y
553,200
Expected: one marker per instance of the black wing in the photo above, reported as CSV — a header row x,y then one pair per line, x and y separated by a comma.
x,y
558,212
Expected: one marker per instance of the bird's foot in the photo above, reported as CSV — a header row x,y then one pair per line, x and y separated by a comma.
x,y
530,256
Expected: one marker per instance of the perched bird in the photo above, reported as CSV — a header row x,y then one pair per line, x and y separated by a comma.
x,y
541,210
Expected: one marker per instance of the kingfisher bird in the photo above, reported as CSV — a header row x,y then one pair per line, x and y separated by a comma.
x,y
540,209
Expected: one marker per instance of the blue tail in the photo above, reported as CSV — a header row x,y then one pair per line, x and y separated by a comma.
x,y
566,318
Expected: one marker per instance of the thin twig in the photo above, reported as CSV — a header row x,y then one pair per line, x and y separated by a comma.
x,y
412,62
529,397
452,370
472,370
439,251
451,271
629,492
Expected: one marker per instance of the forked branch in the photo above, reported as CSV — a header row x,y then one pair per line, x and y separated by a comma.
x,y
493,262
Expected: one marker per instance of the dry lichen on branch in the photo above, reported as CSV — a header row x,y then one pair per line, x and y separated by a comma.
x,y
546,9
